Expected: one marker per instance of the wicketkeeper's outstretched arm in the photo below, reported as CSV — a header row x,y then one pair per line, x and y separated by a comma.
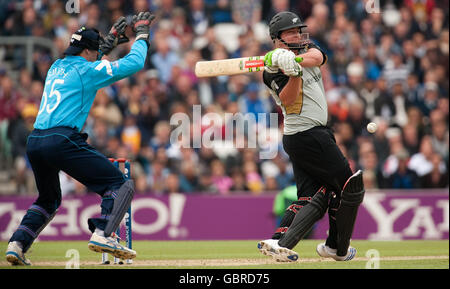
x,y
103,73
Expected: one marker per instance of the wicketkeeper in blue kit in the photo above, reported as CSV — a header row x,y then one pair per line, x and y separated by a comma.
x,y
57,142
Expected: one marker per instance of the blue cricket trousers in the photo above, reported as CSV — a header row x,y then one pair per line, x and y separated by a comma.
x,y
62,148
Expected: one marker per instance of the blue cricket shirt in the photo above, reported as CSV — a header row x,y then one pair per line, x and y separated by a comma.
x,y
72,83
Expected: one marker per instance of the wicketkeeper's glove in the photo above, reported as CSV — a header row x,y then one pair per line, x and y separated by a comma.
x,y
141,25
115,37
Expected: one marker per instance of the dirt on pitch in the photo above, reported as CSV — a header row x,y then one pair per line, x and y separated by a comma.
x,y
222,262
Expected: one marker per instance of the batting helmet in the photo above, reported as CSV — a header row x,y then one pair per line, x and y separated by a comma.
x,y
283,21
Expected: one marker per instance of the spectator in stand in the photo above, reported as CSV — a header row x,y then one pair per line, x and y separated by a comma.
x,y
430,98
198,17
239,182
435,178
181,86
220,12
246,12
280,169
369,93
220,180
413,91
357,118
172,184
130,134
390,165
20,130
400,103
369,163
188,177
107,111
164,58
252,103
161,137
41,67
99,137
411,138
421,161
157,177
25,83
440,138
403,177
275,7
416,119
395,71
356,75
347,139
384,105
8,98
164,8
253,179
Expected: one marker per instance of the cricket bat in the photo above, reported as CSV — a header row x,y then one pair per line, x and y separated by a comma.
x,y
231,66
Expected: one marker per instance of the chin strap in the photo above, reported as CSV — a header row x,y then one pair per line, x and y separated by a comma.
x,y
297,47
292,46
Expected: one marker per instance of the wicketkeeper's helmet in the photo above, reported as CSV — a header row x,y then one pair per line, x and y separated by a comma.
x,y
83,39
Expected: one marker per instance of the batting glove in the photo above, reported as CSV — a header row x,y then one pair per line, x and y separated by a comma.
x,y
291,68
289,65
115,37
283,59
272,58
268,64
141,25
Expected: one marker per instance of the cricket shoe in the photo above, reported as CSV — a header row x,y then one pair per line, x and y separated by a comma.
x,y
15,255
270,247
110,245
327,252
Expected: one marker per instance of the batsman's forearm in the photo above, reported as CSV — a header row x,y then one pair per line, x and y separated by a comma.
x,y
313,57
291,91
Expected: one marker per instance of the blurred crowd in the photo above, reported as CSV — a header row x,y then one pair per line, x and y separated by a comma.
x,y
390,68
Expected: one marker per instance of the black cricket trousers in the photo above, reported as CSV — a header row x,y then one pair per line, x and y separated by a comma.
x,y
317,161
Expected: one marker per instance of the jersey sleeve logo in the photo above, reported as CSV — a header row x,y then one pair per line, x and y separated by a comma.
x,y
107,64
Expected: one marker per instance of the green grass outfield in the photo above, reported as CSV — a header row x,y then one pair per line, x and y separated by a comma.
x,y
241,255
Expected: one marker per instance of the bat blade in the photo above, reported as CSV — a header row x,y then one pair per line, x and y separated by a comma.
x,y
229,66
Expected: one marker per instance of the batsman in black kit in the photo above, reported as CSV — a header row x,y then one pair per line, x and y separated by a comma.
x,y
323,176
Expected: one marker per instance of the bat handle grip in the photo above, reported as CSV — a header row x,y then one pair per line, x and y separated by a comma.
x,y
299,59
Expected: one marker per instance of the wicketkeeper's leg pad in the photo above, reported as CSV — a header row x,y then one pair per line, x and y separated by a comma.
x,y
122,202
351,197
32,224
